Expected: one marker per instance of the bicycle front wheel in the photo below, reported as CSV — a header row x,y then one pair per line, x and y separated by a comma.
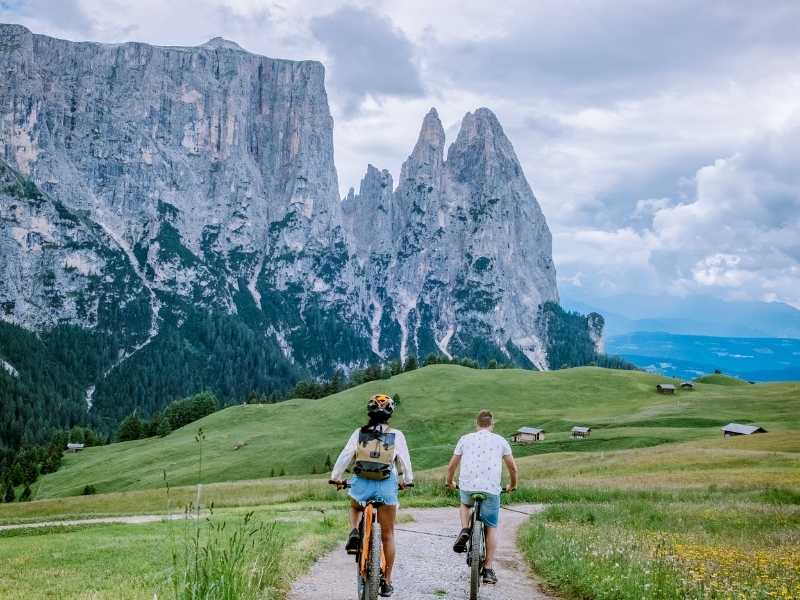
x,y
477,554
374,567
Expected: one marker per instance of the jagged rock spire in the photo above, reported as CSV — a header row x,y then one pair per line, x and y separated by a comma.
x,y
428,155
482,150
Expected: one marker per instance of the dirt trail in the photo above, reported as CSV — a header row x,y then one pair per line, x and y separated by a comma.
x,y
131,520
427,568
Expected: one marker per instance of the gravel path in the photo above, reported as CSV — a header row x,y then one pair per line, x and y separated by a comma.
x,y
427,568
132,520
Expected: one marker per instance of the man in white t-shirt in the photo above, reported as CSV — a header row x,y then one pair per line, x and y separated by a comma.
x,y
481,456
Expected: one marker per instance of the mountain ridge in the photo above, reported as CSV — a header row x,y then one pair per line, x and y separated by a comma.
x,y
206,175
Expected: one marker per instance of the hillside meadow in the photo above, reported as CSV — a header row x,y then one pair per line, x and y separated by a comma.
x,y
437,404
656,489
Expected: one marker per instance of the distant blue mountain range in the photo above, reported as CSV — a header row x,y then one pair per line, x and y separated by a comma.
x,y
687,356
685,337
692,315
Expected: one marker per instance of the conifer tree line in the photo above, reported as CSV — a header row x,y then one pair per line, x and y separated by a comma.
x,y
46,394
176,415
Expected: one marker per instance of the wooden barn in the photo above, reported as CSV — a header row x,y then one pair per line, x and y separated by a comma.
x,y
579,432
734,429
528,435
687,385
665,388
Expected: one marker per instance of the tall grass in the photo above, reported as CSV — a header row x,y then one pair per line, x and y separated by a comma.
x,y
235,559
228,561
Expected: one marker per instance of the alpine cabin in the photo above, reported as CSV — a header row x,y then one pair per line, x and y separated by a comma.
x,y
528,435
734,429
581,432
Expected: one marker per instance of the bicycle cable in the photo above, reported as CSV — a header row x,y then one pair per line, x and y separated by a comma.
x,y
426,533
522,512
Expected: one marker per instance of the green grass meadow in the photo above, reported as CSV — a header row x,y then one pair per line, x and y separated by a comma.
x,y
656,490
438,404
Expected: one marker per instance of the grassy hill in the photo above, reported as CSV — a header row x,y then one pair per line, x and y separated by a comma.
x,y
438,404
720,379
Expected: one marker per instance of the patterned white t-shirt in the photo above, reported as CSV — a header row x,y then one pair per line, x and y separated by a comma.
x,y
482,455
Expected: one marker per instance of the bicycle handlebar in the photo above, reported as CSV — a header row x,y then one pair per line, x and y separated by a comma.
x,y
502,490
346,484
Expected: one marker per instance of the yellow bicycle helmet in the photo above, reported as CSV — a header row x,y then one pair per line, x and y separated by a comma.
x,y
380,405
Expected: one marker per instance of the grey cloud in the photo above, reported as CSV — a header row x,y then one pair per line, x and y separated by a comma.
x,y
67,15
368,55
599,52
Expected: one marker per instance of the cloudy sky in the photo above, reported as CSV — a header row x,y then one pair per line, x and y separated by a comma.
x,y
662,139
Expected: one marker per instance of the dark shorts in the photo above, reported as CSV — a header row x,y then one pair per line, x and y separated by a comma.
x,y
490,508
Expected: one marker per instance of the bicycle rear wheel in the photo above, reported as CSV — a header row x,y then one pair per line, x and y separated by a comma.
x,y
476,559
374,568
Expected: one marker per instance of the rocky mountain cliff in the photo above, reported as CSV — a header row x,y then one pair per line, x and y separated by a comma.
x,y
144,187
458,257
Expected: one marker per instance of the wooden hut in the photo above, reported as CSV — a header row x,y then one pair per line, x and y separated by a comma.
x,y
665,388
528,435
734,429
687,385
75,447
579,432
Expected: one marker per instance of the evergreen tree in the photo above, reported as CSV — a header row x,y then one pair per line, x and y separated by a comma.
x,y
396,367
164,428
396,398
411,363
25,496
130,429
9,495
328,463
432,359
492,364
282,473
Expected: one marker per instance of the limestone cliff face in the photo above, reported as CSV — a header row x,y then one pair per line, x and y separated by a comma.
x,y
467,247
210,167
173,180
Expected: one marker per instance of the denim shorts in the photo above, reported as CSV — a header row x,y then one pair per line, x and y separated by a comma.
x,y
490,508
385,490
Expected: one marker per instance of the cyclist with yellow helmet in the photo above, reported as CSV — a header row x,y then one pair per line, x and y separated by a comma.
x,y
377,451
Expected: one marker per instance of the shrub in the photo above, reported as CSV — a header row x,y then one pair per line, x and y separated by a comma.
x,y
89,490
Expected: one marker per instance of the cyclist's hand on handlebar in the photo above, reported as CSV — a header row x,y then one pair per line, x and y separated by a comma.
x,y
339,484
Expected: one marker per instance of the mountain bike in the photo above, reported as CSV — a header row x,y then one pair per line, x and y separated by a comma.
x,y
476,548
370,561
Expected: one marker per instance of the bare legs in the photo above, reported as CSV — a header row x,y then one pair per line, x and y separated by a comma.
x,y
465,512
491,545
386,517
355,514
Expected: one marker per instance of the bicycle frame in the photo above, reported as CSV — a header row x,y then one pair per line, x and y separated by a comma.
x,y
368,517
